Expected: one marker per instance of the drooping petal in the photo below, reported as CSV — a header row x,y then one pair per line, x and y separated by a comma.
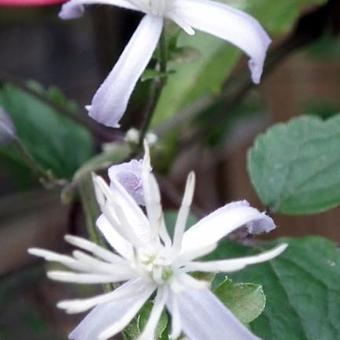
x,y
113,315
235,264
204,317
229,24
75,8
218,224
111,99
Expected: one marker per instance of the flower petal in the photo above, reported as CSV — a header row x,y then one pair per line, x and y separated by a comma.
x,y
129,175
229,24
113,315
82,305
204,317
155,315
218,224
235,264
121,210
111,99
75,8
116,241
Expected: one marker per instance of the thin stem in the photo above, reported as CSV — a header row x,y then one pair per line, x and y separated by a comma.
x,y
156,89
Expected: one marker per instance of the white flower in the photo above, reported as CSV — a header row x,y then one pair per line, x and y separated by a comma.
x,y
147,261
223,21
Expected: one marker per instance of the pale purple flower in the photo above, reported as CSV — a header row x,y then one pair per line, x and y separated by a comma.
x,y
227,23
147,261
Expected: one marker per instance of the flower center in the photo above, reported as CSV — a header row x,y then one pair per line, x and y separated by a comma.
x,y
157,266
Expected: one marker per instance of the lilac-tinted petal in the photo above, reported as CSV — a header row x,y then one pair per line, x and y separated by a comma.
x,y
111,99
75,8
204,317
229,24
129,175
264,225
218,224
117,312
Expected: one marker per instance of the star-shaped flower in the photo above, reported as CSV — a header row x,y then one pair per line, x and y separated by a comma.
x,y
111,99
146,261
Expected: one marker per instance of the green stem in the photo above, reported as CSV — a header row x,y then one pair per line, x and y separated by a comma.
x,y
156,89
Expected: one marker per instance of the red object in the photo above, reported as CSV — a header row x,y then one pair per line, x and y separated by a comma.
x,y
27,3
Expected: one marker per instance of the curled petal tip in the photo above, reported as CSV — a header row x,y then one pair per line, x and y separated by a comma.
x,y
70,11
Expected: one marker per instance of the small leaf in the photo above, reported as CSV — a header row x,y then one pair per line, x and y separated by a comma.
x,y
295,167
245,300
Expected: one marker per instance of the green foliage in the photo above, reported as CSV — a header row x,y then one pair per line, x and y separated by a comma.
x,y
295,167
245,300
54,141
301,286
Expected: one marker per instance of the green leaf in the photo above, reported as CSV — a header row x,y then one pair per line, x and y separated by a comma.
x,y
54,141
301,287
245,300
295,167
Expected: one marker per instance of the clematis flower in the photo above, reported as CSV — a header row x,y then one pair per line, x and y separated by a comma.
x,y
147,262
227,23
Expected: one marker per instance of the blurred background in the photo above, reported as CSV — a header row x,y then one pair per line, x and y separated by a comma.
x,y
51,68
